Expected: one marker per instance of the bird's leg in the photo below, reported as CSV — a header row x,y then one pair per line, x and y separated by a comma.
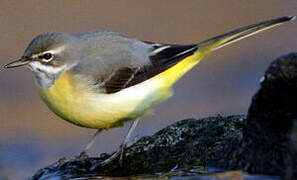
x,y
83,154
126,140
122,147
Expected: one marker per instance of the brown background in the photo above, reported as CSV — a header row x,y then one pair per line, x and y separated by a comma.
x,y
31,136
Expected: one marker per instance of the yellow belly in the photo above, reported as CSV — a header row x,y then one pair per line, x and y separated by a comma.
x,y
79,104
82,106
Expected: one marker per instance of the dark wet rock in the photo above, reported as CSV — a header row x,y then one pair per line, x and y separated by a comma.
x,y
264,142
183,144
267,144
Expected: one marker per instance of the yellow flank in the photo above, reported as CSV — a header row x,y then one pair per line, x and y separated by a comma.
x,y
171,75
84,106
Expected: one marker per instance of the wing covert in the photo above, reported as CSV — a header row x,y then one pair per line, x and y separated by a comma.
x,y
161,57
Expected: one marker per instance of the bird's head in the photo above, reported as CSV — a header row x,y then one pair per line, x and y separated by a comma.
x,y
50,54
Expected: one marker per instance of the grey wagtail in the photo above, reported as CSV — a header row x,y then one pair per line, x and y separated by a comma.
x,y
102,79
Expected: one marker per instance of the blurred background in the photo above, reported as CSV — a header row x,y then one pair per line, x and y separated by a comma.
x,y
31,136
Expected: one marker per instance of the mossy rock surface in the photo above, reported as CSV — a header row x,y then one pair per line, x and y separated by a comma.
x,y
185,144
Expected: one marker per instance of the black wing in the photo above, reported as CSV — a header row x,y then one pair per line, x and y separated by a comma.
x,y
162,57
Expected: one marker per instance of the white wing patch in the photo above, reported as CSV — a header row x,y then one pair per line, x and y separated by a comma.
x,y
156,51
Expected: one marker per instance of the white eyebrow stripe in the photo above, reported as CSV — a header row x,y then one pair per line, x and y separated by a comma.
x,y
52,51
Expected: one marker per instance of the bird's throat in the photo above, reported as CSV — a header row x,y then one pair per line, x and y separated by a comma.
x,y
46,75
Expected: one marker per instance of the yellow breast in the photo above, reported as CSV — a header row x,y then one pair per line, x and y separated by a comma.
x,y
79,104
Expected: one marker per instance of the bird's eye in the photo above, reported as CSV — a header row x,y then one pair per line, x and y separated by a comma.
x,y
47,57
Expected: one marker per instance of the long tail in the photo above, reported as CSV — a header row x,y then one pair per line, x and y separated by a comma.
x,y
241,33
204,48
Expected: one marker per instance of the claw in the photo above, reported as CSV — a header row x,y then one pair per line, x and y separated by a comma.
x,y
121,160
82,155
111,158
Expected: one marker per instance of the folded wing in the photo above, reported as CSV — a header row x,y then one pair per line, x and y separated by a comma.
x,y
162,57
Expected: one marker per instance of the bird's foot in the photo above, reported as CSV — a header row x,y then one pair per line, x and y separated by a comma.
x,y
82,155
121,148
119,152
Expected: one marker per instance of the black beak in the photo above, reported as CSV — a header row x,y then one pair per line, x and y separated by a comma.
x,y
20,62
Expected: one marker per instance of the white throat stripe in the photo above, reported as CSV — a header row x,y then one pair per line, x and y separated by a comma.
x,y
48,69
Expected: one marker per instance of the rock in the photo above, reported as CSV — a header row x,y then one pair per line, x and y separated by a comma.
x,y
183,144
267,143
264,142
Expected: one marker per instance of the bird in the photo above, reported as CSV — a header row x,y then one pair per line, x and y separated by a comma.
x,y
102,79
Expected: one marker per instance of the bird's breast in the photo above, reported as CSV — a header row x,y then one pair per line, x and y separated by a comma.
x,y
75,101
